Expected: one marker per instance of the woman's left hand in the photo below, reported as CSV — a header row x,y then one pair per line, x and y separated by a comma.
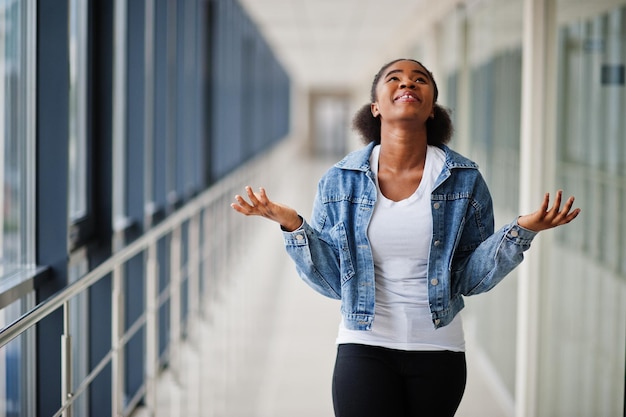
x,y
545,218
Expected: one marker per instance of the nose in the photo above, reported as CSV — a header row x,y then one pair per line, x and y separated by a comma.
x,y
407,83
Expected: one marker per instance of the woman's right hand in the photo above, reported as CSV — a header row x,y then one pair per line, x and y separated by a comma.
x,y
260,205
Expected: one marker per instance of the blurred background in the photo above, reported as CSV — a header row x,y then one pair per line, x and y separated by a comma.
x,y
128,286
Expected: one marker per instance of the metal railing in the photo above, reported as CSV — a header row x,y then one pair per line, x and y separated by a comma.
x,y
213,252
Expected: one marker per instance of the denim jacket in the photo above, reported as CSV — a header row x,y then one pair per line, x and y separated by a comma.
x,y
333,255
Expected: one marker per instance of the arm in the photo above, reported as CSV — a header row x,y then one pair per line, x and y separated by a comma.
x,y
315,259
503,251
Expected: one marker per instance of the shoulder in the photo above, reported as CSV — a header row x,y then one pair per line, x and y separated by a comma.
x,y
460,174
349,179
456,160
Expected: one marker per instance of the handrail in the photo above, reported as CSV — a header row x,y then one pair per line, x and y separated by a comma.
x,y
56,301
221,236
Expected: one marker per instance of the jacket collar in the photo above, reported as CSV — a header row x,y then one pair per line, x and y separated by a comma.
x,y
359,160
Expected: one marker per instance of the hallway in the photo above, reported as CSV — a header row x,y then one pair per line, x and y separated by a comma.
x,y
267,348
128,285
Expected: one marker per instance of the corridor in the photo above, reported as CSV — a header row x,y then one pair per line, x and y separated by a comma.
x,y
266,348
129,286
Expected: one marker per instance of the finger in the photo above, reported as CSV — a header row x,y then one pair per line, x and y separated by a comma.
x,y
573,215
237,208
557,202
567,214
566,211
241,209
567,207
565,218
545,203
554,215
252,196
242,201
263,195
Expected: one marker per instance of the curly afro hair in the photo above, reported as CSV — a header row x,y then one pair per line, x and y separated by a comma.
x,y
439,129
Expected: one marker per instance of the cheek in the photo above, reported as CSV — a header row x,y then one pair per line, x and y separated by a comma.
x,y
379,90
430,99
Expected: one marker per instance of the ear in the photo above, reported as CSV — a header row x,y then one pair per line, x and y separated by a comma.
x,y
374,108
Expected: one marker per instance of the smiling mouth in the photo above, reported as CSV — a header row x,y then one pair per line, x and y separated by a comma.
x,y
406,97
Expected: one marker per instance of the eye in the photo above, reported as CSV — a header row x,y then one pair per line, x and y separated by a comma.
x,y
392,78
422,80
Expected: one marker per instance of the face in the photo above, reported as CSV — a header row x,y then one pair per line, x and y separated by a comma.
x,y
405,92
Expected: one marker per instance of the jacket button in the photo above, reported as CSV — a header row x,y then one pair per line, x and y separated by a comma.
x,y
437,321
434,281
436,242
299,237
436,206
514,233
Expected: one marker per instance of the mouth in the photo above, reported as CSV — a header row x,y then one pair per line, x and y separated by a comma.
x,y
407,96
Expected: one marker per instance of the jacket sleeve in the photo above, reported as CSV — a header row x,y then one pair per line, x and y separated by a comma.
x,y
496,256
316,259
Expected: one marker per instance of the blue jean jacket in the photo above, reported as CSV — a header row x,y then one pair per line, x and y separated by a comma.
x,y
333,255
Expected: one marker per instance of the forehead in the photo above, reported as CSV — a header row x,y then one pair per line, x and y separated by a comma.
x,y
405,66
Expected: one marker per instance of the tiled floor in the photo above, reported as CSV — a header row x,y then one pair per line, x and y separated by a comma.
x,y
267,347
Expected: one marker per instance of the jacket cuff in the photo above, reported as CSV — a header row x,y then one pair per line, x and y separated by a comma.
x,y
298,237
520,235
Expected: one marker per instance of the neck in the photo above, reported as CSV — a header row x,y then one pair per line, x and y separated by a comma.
x,y
402,149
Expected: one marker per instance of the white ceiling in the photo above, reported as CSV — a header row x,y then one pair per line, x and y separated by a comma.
x,y
340,43
335,43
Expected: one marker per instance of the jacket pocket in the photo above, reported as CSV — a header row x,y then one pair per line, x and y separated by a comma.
x,y
346,266
455,248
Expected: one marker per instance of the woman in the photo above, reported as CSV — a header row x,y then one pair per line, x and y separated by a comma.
x,y
401,230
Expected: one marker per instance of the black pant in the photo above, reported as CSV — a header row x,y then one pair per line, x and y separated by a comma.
x,y
371,381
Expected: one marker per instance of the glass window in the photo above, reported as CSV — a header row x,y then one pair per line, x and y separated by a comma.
x,y
17,211
120,219
330,118
584,313
448,81
16,136
591,130
494,42
495,80
78,110
17,367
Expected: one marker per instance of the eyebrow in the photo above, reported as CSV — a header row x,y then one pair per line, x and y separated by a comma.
x,y
415,71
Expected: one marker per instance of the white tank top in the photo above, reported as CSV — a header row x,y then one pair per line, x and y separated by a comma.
x,y
400,235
